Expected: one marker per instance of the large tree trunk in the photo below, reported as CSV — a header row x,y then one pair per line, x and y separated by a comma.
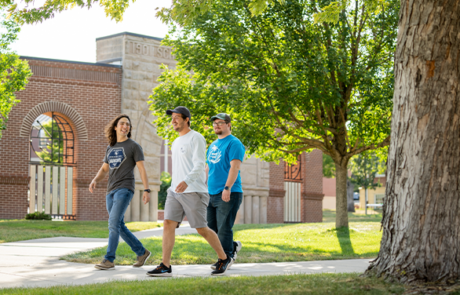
x,y
350,200
421,223
341,218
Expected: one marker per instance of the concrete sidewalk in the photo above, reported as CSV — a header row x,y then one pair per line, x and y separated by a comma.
x,y
35,263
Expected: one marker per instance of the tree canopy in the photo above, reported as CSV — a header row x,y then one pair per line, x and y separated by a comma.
x,y
290,84
14,72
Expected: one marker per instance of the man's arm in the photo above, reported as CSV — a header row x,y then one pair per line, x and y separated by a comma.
x,y
232,175
199,162
145,182
99,176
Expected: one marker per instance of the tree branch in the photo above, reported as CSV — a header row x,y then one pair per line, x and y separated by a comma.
x,y
385,142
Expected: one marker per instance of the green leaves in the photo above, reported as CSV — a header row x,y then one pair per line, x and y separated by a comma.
x,y
330,13
14,72
32,14
290,84
328,166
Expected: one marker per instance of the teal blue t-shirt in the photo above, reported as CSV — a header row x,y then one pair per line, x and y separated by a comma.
x,y
220,153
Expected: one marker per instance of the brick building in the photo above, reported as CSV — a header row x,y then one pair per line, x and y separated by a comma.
x,y
86,96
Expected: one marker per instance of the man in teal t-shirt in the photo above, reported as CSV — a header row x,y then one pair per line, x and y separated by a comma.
x,y
224,158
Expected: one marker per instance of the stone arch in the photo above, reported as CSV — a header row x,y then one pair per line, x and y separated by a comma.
x,y
59,107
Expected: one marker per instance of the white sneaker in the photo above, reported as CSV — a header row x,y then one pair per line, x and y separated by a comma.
x,y
238,248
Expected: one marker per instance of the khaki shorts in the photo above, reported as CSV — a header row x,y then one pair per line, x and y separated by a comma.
x,y
192,205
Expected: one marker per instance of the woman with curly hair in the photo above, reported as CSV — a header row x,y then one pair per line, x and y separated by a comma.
x,y
121,156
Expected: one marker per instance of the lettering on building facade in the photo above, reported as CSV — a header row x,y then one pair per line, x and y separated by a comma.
x,y
149,50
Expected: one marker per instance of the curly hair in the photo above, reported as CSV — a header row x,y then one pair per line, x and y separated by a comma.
x,y
111,133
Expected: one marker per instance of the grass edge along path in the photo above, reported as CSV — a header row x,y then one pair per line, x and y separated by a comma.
x,y
326,283
21,229
265,243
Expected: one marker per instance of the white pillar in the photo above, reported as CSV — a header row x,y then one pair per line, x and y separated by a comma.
x,y
240,215
255,209
247,209
135,207
166,155
263,210
32,182
127,217
55,182
47,189
153,206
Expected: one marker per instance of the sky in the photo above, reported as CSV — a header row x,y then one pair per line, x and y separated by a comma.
x,y
71,34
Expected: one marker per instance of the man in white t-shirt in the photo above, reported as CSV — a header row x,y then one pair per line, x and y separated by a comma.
x,y
188,194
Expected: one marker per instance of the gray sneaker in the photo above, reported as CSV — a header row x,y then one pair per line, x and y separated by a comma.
x,y
142,259
105,264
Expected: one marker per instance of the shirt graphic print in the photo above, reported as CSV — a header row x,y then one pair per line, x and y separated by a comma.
x,y
116,157
214,155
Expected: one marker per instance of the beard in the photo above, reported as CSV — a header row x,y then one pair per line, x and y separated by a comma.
x,y
179,127
218,132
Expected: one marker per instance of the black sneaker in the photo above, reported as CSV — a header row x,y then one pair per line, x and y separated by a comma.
x,y
161,271
237,247
214,266
222,266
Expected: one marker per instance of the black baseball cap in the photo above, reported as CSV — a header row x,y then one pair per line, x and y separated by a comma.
x,y
180,110
222,116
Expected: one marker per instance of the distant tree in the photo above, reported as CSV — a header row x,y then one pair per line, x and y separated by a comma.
x,y
53,151
14,72
363,169
328,166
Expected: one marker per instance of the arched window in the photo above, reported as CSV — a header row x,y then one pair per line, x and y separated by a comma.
x,y
52,141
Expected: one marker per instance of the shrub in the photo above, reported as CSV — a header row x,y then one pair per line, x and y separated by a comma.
x,y
165,184
38,215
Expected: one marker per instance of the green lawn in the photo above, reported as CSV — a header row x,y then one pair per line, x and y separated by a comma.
x,y
342,284
20,230
266,243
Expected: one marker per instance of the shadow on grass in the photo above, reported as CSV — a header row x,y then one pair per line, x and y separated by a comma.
x,y
343,235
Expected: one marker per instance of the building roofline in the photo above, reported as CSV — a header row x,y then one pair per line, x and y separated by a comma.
x,y
129,33
70,61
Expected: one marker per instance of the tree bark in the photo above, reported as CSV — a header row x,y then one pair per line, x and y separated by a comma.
x,y
350,200
341,218
421,222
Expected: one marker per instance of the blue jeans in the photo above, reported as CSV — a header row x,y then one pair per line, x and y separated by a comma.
x,y
221,218
117,203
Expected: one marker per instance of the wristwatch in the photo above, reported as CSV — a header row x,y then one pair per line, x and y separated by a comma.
x,y
226,188
147,190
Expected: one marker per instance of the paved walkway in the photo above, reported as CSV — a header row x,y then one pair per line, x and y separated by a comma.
x,y
35,263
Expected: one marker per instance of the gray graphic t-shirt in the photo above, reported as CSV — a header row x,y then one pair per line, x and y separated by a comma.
x,y
122,158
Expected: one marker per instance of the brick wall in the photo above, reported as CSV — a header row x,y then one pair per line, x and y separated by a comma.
x,y
312,187
94,92
275,201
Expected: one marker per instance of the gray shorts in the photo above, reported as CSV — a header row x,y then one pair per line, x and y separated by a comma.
x,y
192,205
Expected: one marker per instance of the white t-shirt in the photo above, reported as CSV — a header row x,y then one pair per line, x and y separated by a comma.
x,y
188,162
